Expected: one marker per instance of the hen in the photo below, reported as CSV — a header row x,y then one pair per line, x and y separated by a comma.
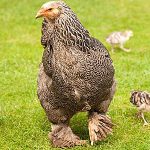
x,y
76,74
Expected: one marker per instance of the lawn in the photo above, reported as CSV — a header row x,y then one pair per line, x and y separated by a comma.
x,y
23,124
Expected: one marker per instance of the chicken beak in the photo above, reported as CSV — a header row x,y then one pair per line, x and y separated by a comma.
x,y
39,14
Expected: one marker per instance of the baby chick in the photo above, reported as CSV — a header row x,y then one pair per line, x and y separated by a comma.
x,y
141,99
119,38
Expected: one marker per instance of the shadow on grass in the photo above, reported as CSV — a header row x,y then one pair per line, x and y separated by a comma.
x,y
79,125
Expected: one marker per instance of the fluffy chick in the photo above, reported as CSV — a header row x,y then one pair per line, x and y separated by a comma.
x,y
119,38
141,99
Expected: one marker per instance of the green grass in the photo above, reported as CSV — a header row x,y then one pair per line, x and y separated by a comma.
x,y
23,124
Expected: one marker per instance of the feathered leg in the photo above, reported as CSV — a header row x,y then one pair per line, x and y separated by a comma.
x,y
99,127
61,134
100,124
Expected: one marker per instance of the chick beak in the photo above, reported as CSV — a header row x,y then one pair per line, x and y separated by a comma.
x,y
40,13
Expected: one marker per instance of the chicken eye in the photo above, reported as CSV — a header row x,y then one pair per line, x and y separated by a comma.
x,y
50,9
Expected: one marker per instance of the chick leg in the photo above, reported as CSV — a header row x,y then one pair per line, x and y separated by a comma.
x,y
99,123
142,116
61,134
123,48
112,48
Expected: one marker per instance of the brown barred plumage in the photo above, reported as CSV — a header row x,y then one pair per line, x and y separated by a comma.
x,y
141,99
76,74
